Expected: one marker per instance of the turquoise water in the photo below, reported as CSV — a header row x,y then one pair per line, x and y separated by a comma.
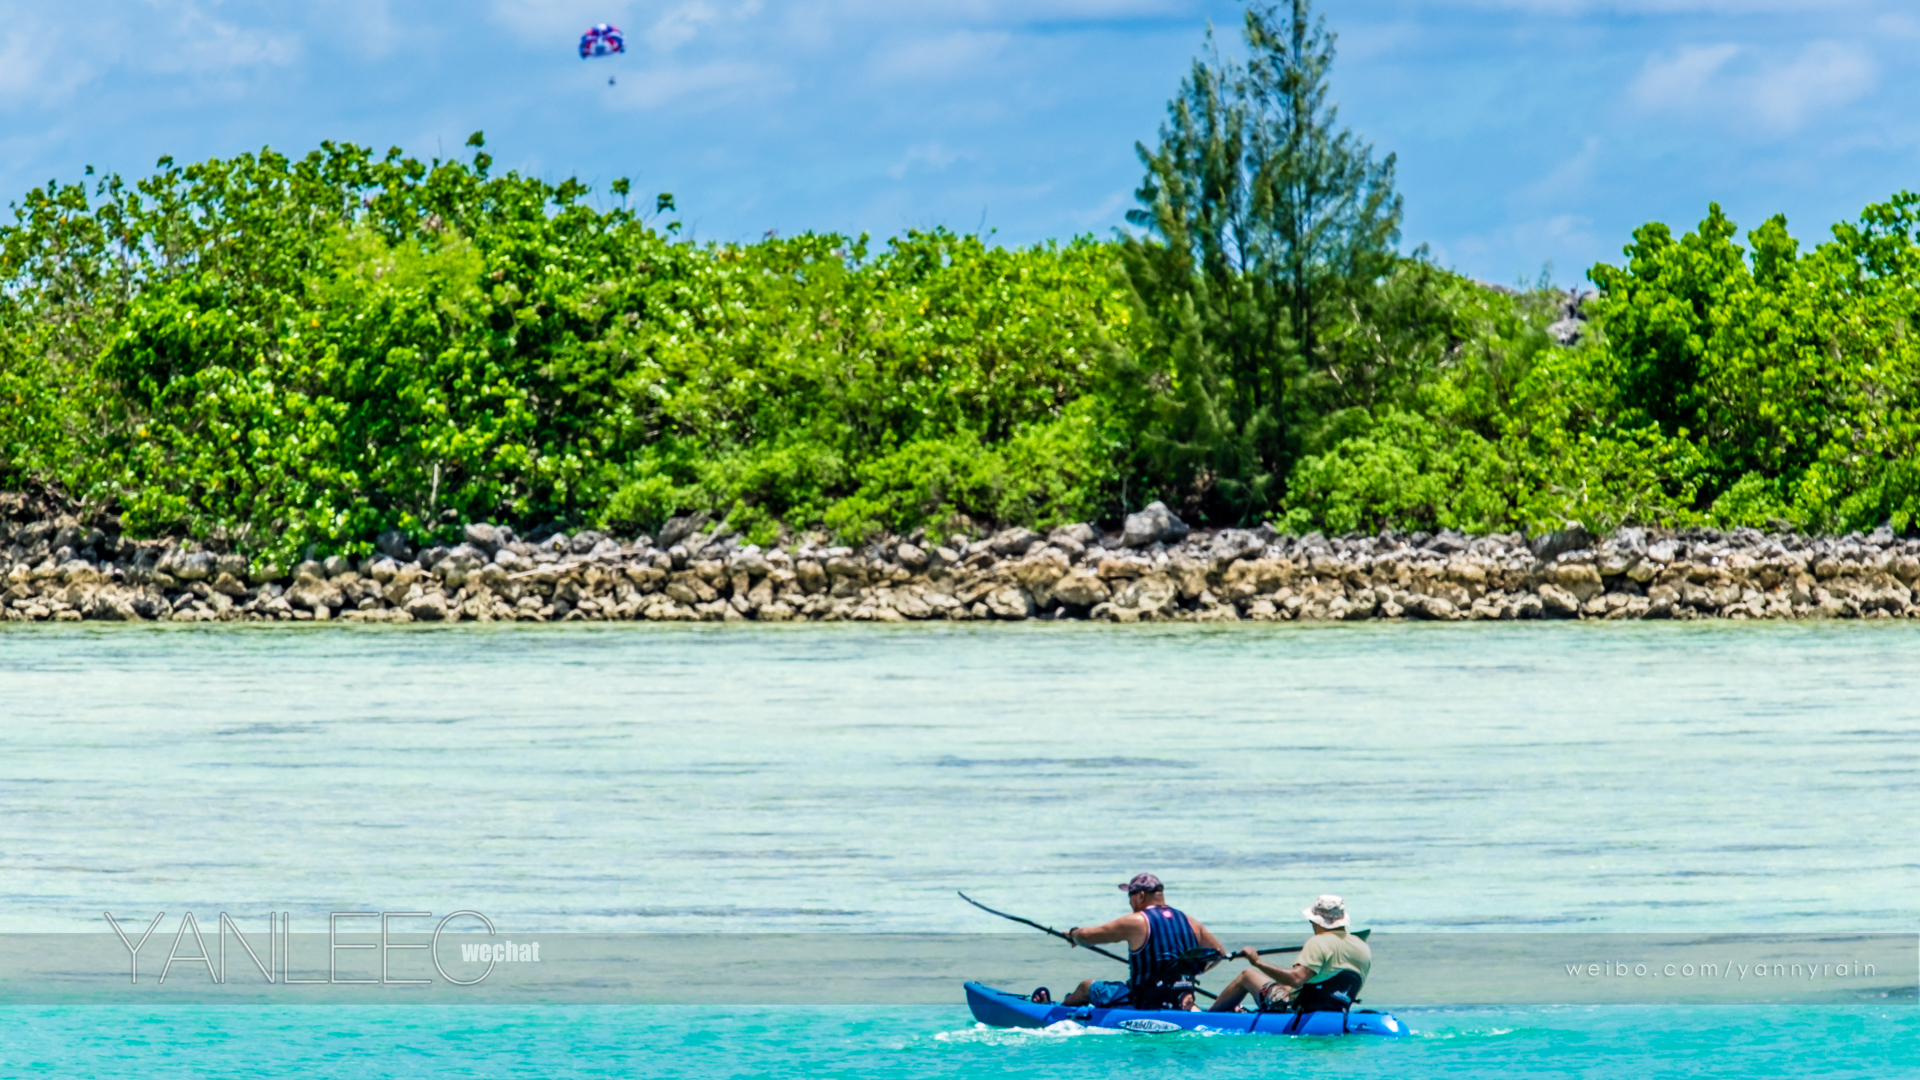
x,y
927,1042
1718,778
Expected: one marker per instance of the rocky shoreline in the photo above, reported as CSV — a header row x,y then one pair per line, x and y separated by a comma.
x,y
1155,569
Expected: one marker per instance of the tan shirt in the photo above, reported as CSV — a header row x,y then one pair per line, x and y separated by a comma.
x,y
1337,950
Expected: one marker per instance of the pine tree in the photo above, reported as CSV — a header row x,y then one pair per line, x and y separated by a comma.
x,y
1262,219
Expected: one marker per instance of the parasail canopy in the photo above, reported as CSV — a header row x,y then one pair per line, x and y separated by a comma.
x,y
602,40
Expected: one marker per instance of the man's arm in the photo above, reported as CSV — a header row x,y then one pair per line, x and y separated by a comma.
x,y
1206,938
1297,975
1130,928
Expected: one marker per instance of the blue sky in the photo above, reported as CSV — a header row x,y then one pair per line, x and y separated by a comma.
x,y
1528,131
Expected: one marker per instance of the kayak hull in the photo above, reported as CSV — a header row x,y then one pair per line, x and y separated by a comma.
x,y
999,1008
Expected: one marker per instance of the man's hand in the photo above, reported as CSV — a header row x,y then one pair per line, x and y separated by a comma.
x,y
1072,939
1250,954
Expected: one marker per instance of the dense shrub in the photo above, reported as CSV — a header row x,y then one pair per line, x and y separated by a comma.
x,y
272,353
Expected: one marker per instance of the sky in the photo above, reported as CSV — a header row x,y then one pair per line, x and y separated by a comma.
x,y
1529,134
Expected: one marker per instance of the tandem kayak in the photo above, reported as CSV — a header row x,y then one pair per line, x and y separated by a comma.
x,y
999,1008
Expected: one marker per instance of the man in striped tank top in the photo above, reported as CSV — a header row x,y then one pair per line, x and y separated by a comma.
x,y
1156,935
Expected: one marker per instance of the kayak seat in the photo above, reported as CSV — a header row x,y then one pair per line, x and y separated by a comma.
x,y
1336,993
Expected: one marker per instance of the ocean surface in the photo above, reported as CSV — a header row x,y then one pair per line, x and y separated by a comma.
x,y
1700,778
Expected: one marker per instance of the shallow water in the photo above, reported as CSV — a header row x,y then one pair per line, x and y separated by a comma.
x,y
1717,778
929,1042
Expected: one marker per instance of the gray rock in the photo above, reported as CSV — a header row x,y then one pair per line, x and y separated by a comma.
x,y
1155,524
1154,592
430,606
1013,542
196,566
463,558
1571,537
429,558
482,535
336,565
1082,534
679,528
233,565
394,545
1568,331
1558,602
383,569
312,593
1082,588
511,561
583,543
607,548
1009,602
911,557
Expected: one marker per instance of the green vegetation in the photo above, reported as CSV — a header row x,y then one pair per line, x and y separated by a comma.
x,y
271,353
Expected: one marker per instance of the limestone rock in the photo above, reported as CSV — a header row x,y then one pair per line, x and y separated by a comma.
x,y
1155,524
1570,537
394,545
1012,543
1558,602
1009,602
1082,588
1580,579
430,606
1153,593
312,593
911,557
679,528
193,566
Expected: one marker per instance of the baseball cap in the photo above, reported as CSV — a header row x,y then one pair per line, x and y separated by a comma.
x,y
1142,883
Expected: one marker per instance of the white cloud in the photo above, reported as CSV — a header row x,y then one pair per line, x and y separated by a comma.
x,y
940,57
1680,81
1827,74
1568,180
711,84
933,154
678,26
35,68
1778,94
564,19
199,44
366,27
1671,7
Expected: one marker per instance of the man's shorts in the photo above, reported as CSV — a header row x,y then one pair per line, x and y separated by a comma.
x,y
1274,997
1107,994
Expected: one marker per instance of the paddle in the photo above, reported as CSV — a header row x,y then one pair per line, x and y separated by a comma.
x,y
1058,934
1037,926
1361,934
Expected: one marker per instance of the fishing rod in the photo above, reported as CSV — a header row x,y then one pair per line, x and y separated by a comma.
x,y
1050,930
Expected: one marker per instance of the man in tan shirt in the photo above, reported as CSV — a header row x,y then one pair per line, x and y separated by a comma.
x,y
1331,961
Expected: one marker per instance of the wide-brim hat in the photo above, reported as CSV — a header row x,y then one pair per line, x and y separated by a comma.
x,y
1328,910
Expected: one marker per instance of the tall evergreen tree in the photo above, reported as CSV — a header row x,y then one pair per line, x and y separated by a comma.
x,y
1264,218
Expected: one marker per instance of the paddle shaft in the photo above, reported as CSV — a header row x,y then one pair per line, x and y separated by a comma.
x,y
1058,934
1361,934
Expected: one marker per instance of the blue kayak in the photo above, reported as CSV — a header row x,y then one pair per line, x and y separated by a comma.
x,y
999,1008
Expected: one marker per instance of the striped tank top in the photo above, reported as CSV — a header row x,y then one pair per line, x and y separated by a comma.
x,y
1168,935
